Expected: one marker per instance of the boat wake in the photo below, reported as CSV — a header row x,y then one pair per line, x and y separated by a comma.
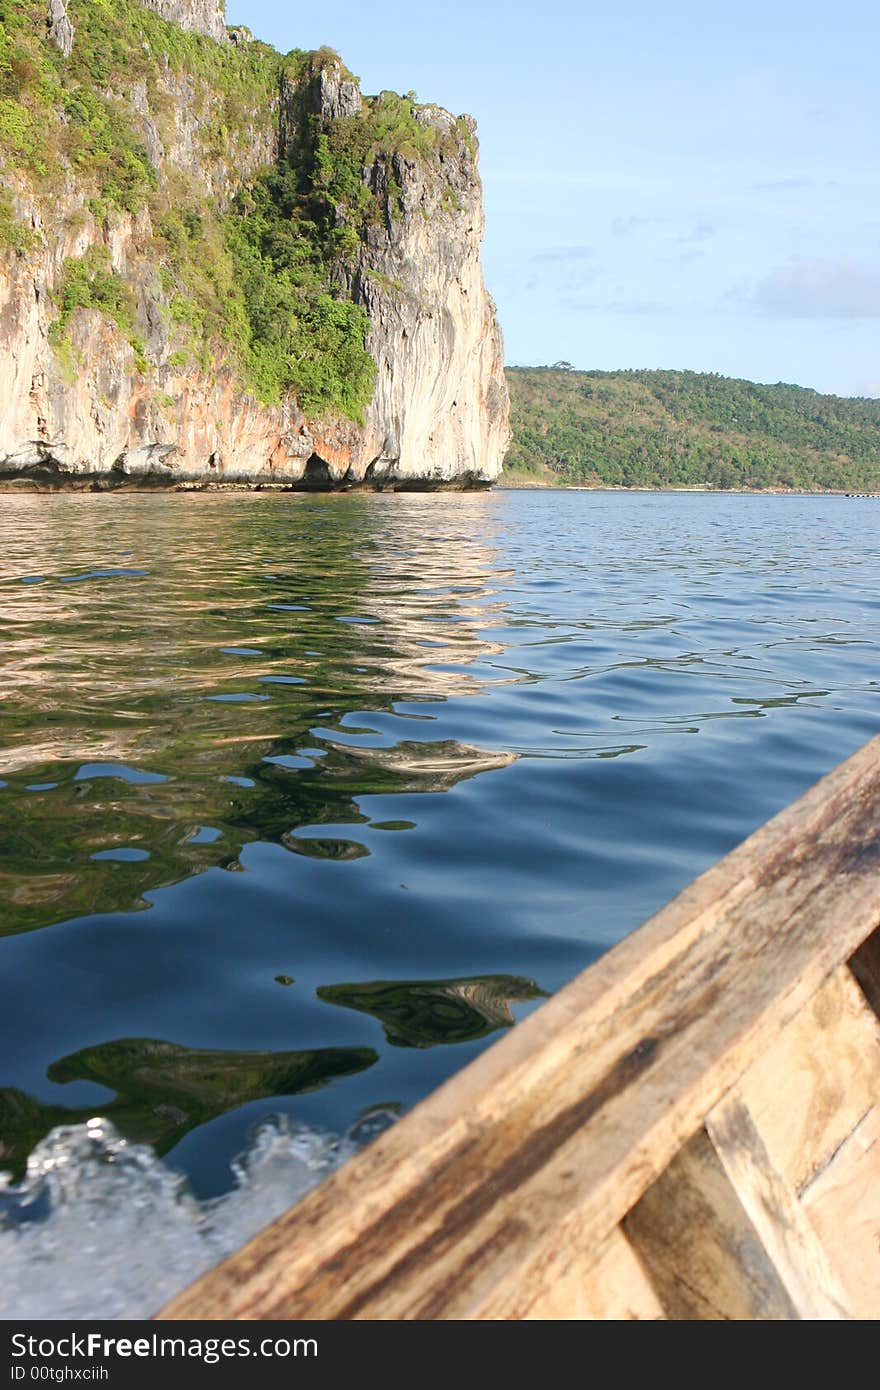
x,y
101,1228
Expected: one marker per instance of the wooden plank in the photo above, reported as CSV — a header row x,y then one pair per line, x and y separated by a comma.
x,y
865,966
612,1285
843,1205
814,1084
702,1253
772,1208
535,1152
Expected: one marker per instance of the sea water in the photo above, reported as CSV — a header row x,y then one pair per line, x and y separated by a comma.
x,y
306,799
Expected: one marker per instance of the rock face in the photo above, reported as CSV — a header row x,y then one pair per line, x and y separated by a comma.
x,y
203,16
59,27
122,409
440,405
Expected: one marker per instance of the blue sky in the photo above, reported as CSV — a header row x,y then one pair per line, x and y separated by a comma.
x,y
667,184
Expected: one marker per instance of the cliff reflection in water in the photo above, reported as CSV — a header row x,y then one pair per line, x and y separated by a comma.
x,y
186,678
424,1013
184,702
163,1091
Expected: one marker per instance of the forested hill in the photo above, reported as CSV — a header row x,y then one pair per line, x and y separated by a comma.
x,y
686,429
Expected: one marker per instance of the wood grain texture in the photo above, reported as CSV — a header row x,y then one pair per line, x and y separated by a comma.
x,y
816,1081
865,966
524,1163
703,1255
770,1204
609,1285
843,1205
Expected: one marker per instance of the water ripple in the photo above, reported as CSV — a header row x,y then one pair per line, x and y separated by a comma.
x,y
485,736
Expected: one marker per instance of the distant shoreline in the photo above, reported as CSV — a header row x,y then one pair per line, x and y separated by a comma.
x,y
694,430
29,488
505,484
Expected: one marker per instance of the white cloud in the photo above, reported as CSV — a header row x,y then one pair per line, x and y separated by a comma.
x,y
626,226
687,257
618,306
807,288
560,254
701,232
781,185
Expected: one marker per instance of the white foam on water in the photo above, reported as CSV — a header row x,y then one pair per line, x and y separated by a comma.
x,y
101,1228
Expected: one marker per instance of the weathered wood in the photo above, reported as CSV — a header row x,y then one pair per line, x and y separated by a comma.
x,y
704,1257
780,1224
610,1284
843,1205
514,1174
865,966
816,1081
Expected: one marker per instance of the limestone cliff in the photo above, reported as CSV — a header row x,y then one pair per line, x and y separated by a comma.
x,y
202,16
221,265
440,392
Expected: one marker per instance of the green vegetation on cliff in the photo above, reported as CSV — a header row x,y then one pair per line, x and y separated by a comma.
x,y
688,429
73,119
89,282
296,334
253,273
